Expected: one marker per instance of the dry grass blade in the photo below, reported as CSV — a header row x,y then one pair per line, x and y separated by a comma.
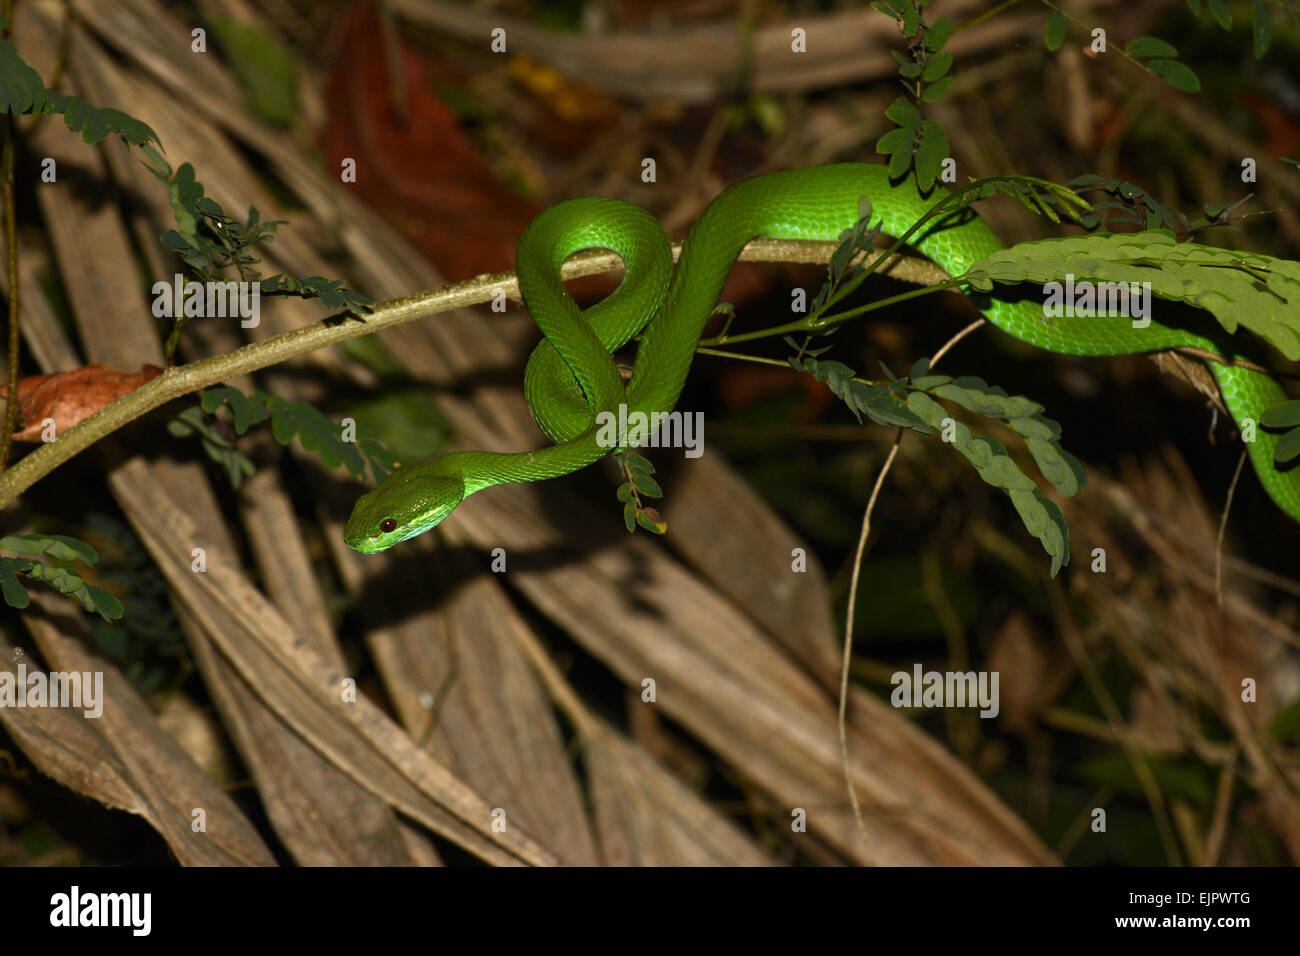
x,y
463,690
1194,655
647,818
724,680
306,692
124,759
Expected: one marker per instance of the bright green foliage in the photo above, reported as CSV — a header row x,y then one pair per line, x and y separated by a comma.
x,y
1284,415
1041,517
331,293
1241,289
637,469
923,71
64,580
289,420
910,403
1054,35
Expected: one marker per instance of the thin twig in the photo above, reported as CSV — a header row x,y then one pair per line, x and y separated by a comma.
x,y
943,350
853,597
1223,526
176,382
848,637
11,250
1222,800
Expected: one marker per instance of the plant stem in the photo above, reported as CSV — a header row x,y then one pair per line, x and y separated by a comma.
x,y
11,254
176,382
811,324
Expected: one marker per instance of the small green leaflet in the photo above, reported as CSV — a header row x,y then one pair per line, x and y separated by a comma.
x,y
1040,515
1054,36
60,548
1284,415
880,403
638,470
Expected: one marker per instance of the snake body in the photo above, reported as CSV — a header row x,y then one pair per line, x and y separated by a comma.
x,y
571,376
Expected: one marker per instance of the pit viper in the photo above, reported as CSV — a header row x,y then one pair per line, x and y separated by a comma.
x,y
571,375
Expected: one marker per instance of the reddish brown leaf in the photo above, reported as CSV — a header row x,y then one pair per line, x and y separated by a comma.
x,y
418,169
69,397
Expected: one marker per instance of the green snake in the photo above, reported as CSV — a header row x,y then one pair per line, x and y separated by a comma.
x,y
571,375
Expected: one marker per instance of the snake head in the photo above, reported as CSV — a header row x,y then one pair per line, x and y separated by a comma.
x,y
410,501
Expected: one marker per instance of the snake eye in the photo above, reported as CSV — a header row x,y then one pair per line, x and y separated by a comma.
x,y
388,525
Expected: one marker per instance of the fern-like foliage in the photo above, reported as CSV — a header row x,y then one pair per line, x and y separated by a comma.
x,y
1240,289
58,547
636,513
923,71
1139,208
23,91
882,404
912,403
217,445
1261,19
331,292
206,238
289,420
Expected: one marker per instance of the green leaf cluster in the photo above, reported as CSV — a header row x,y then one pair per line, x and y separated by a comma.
x,y
882,403
1284,415
637,470
1260,15
23,91
205,237
1139,208
1040,515
64,580
216,445
331,292
1022,415
923,72
1240,289
1161,61
290,420
912,403
845,267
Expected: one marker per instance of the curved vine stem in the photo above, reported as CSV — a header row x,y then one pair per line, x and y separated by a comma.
x,y
176,382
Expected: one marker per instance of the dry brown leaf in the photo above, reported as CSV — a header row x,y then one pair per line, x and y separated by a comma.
x,y
66,398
